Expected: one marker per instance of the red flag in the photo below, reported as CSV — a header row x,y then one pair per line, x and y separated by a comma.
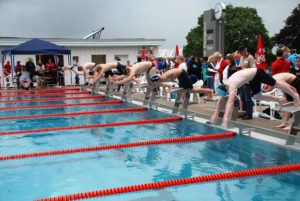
x,y
177,51
260,55
143,55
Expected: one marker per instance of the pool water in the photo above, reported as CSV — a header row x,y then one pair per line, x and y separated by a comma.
x,y
32,178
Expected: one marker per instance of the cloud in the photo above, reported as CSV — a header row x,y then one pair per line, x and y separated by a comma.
x,y
170,19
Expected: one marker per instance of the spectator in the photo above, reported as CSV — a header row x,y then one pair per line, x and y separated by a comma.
x,y
50,66
195,68
247,61
237,58
230,68
7,68
40,68
292,58
220,64
18,68
211,72
280,65
296,69
30,67
204,69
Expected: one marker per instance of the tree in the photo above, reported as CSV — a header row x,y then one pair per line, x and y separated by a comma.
x,y
194,39
289,35
242,26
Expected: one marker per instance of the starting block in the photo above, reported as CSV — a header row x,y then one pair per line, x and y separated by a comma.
x,y
295,111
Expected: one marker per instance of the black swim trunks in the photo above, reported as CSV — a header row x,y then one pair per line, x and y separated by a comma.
x,y
259,78
121,68
184,81
296,84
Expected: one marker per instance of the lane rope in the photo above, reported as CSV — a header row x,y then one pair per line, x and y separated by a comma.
x,y
109,102
121,146
41,90
50,99
46,94
103,125
120,110
177,182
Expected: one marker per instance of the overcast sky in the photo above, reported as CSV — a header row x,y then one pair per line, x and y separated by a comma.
x,y
169,19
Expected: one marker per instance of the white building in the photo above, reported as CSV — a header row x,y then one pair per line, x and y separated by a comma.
x,y
95,50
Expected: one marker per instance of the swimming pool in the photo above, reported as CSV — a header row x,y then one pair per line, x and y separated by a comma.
x,y
34,178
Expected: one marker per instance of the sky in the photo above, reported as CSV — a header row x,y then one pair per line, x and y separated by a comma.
x,y
168,19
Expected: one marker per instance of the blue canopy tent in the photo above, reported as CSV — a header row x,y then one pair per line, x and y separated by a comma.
x,y
34,46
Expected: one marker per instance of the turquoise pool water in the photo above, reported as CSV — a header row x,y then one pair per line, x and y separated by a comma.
x,y
29,179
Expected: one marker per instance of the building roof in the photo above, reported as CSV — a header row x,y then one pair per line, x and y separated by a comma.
x,y
72,42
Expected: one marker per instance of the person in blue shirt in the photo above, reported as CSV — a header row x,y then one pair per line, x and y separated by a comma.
x,y
292,58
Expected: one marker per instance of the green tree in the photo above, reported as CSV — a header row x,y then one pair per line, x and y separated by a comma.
x,y
242,26
194,39
289,35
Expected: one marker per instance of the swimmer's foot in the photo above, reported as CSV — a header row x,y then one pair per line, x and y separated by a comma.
x,y
283,125
287,128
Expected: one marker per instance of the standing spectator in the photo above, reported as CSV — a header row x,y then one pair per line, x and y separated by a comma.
x,y
194,68
7,68
296,69
247,61
204,69
230,68
280,65
18,68
211,72
30,67
219,65
292,58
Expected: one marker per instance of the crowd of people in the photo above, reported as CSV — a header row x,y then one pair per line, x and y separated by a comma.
x,y
29,73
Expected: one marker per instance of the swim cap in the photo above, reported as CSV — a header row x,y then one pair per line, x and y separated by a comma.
x,y
221,90
155,78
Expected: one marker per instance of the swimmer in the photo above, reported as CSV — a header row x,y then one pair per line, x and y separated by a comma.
x,y
131,72
107,69
25,80
293,81
182,76
255,77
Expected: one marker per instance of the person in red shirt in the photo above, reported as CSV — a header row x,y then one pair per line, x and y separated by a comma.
x,y
280,65
18,67
7,68
50,66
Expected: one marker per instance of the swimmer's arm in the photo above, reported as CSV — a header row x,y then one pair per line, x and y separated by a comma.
x,y
216,113
228,108
97,77
123,81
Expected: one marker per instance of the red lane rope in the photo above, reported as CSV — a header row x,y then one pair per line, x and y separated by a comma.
x,y
121,146
125,123
44,94
50,99
177,182
137,109
41,90
63,105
